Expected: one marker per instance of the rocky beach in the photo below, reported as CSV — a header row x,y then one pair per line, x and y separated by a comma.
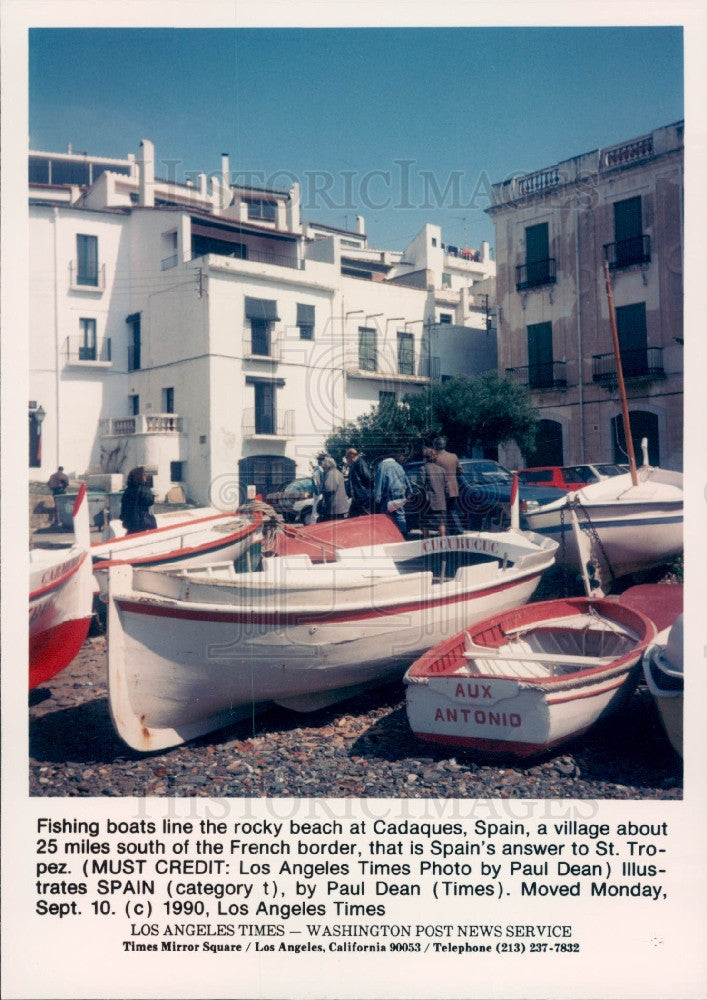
x,y
362,748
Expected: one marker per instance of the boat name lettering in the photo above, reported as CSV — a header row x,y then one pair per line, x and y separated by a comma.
x,y
479,716
472,691
55,572
457,542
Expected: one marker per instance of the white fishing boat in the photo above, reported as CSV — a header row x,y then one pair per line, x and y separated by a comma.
x,y
663,671
191,650
60,600
613,527
194,537
525,681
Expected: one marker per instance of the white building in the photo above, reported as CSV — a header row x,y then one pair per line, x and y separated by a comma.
x,y
204,330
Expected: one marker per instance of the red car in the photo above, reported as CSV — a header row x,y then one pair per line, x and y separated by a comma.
x,y
570,477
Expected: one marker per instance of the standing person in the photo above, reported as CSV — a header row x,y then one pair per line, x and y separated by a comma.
x,y
434,483
391,490
360,484
452,470
318,482
58,484
335,502
135,506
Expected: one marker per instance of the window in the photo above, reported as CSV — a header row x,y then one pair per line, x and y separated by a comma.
x,y
259,208
386,397
133,322
406,354
305,321
633,339
367,349
446,280
540,361
445,318
265,421
168,400
87,260
133,405
262,313
176,472
87,340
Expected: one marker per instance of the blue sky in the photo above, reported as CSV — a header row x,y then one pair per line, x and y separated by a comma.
x,y
403,126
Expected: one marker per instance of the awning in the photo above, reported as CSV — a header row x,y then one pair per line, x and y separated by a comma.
x,y
305,315
261,309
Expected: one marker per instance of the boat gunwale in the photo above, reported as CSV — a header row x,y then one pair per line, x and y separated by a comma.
x,y
42,591
421,672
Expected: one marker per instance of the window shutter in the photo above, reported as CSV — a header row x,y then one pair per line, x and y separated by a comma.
x,y
265,309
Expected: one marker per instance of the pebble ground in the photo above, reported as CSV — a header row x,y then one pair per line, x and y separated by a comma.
x,y
363,748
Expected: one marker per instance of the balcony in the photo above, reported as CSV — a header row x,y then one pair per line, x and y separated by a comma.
x,y
142,423
93,281
548,375
645,363
244,253
267,424
536,273
79,354
629,152
624,253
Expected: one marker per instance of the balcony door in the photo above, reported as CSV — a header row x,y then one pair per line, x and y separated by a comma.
x,y
633,339
537,253
540,360
628,231
265,418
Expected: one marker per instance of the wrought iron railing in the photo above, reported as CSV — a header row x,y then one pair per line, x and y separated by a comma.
x,y
280,425
547,375
78,351
88,279
536,273
624,253
642,363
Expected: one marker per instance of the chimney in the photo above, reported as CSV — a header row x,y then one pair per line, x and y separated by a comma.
x,y
360,226
147,174
484,255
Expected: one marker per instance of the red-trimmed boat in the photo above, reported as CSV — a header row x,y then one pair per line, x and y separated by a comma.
x,y
527,680
60,600
186,538
191,650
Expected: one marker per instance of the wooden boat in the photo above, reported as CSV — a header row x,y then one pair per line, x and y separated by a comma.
x,y
186,538
529,679
191,650
612,528
663,671
321,541
60,600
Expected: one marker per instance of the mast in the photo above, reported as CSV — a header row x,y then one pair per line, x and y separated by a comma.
x,y
620,376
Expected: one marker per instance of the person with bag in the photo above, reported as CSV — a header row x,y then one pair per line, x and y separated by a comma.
x,y
135,505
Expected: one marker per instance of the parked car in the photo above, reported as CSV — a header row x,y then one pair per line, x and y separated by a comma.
x,y
294,501
570,477
484,495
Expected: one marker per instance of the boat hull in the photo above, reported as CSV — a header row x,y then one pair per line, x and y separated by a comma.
x,y
664,678
60,609
303,638
634,529
520,715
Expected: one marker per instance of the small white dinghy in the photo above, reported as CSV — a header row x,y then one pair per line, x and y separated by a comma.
x,y
191,650
527,680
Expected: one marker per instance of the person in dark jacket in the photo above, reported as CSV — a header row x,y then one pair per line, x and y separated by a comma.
x,y
360,484
135,506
